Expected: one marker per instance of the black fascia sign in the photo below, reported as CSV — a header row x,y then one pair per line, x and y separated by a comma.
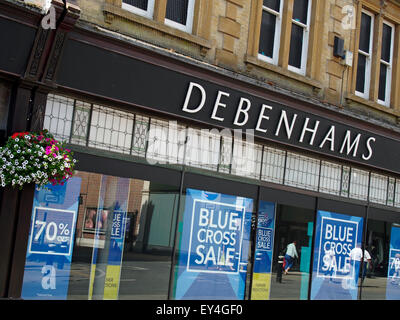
x,y
187,95
273,121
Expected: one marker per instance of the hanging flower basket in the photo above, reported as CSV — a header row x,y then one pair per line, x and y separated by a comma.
x,y
39,158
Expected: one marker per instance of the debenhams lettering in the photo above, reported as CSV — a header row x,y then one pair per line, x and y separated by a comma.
x,y
287,124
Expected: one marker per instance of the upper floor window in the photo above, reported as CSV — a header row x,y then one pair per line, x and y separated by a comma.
x,y
364,55
385,71
376,72
270,32
299,36
179,14
280,34
141,7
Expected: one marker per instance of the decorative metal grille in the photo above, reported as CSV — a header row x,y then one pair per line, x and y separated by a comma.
x,y
273,167
378,188
81,119
391,191
58,116
397,193
111,129
202,149
169,142
359,184
247,159
345,181
140,135
225,154
302,172
330,178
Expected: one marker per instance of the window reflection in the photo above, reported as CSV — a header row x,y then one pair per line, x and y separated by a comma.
x,y
293,225
382,273
124,239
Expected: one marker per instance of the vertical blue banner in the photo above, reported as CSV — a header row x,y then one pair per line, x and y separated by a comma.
x,y
393,276
263,251
110,229
214,246
51,241
337,252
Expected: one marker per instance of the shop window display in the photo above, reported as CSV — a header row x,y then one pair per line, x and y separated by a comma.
x,y
294,229
381,274
121,247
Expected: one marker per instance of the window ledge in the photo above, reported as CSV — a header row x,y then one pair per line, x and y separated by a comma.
x,y
350,97
110,11
316,85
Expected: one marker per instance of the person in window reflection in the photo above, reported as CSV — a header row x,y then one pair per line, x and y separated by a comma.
x,y
290,255
356,255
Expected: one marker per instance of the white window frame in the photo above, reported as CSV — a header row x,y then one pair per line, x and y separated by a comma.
x,y
277,37
368,64
145,13
304,49
189,20
389,65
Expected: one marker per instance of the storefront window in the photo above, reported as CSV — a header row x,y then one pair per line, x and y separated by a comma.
x,y
122,245
381,275
264,245
213,245
337,256
294,230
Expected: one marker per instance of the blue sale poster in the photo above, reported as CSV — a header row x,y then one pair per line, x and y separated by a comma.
x,y
214,246
110,228
264,245
393,275
335,266
51,241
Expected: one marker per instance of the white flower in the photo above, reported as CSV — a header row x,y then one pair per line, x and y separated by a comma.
x,y
16,139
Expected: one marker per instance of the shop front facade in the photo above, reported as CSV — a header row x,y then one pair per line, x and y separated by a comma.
x,y
191,181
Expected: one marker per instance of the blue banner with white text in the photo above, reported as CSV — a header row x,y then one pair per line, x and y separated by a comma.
x,y
214,246
264,245
337,256
393,275
51,241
